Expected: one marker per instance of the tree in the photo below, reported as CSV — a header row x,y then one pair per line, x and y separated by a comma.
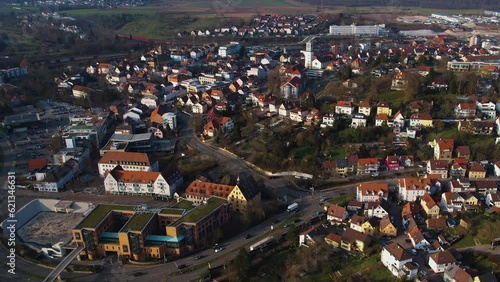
x,y
242,265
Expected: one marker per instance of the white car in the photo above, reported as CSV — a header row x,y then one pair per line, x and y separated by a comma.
x,y
219,249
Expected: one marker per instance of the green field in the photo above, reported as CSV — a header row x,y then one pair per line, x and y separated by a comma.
x,y
141,11
394,98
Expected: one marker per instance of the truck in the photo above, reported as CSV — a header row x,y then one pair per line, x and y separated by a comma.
x,y
292,207
262,243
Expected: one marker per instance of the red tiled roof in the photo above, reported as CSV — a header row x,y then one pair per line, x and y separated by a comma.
x,y
36,164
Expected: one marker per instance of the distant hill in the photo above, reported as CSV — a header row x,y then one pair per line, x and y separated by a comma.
x,y
433,4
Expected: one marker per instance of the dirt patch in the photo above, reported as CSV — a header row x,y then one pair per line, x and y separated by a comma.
x,y
48,228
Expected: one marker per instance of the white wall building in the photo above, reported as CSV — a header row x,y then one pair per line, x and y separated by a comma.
x,y
128,161
355,30
394,257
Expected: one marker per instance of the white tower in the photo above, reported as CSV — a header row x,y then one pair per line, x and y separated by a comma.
x,y
308,54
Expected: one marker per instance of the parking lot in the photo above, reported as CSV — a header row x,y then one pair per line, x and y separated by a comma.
x,y
36,141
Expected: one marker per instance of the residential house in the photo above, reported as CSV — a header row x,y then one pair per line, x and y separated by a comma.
x,y
429,206
284,110
219,124
451,202
382,119
492,200
417,239
365,108
441,261
477,127
199,108
436,224
461,185
420,106
333,239
407,160
458,168
455,273
438,167
477,171
463,152
486,107
372,192
367,165
199,191
465,110
144,183
392,163
336,214
411,188
353,240
420,120
328,120
485,187
399,120
399,81
384,108
497,168
81,91
387,228
395,257
128,161
358,120
443,149
376,209
356,223
471,202
298,115
371,226
344,108
312,235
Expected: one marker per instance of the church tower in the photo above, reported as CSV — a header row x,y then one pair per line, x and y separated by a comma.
x,y
308,54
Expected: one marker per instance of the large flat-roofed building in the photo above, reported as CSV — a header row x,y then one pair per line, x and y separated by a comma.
x,y
232,48
145,183
355,30
142,142
19,119
471,66
138,233
128,161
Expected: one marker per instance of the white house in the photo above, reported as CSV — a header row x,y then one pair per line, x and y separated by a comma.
x,y
497,168
128,161
199,108
492,200
358,120
144,183
150,100
394,257
417,239
440,261
421,120
451,202
486,107
298,115
412,188
376,209
336,214
329,120
371,192
344,108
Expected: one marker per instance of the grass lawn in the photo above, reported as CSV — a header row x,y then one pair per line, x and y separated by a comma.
x,y
137,222
336,152
98,214
466,241
300,153
139,11
341,200
271,266
202,210
394,98
365,267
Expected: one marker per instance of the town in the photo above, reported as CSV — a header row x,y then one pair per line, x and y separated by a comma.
x,y
354,148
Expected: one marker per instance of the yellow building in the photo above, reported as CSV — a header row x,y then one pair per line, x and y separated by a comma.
x,y
429,206
245,192
137,233
477,171
384,108
386,227
370,226
353,240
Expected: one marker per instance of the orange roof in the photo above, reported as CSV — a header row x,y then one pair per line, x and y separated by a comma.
x,y
364,104
367,161
477,168
373,187
445,144
343,103
427,199
131,176
382,117
206,189
121,157
414,183
36,164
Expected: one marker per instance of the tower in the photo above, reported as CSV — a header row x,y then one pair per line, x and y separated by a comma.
x,y
308,54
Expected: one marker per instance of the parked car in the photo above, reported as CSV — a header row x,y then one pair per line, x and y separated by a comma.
x,y
413,252
219,249
181,266
198,257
